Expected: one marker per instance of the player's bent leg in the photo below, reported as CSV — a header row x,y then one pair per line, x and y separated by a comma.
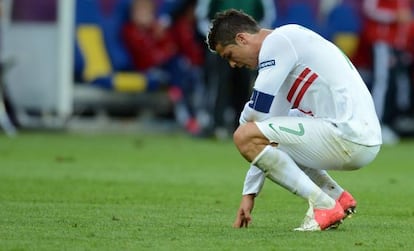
x,y
281,169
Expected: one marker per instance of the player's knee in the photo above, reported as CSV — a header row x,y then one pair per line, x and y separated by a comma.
x,y
240,138
243,139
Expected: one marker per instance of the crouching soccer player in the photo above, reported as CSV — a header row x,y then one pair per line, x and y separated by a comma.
x,y
310,112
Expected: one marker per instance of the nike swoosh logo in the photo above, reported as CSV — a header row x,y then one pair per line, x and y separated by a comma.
x,y
300,131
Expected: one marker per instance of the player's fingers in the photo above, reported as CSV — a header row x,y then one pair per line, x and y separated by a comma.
x,y
246,220
237,223
245,223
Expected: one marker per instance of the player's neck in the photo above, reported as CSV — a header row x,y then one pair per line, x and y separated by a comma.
x,y
264,32
261,35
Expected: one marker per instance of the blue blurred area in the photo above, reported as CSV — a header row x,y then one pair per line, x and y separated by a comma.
x,y
299,12
111,21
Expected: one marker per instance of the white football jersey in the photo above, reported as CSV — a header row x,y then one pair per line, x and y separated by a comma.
x,y
299,69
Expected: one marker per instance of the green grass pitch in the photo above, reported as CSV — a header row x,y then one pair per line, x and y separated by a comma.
x,y
66,191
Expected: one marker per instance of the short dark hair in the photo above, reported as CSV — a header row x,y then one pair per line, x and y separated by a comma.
x,y
227,24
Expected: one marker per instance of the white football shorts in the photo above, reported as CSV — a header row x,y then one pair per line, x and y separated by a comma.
x,y
316,143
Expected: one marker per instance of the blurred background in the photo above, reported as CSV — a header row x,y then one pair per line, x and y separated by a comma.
x,y
143,65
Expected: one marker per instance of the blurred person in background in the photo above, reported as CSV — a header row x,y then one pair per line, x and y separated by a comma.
x,y
167,47
389,32
227,88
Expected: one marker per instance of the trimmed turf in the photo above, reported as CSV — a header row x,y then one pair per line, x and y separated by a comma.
x,y
62,191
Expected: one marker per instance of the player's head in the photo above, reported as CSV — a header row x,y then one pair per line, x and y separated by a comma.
x,y
232,36
226,25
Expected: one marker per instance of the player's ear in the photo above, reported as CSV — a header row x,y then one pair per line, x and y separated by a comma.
x,y
241,38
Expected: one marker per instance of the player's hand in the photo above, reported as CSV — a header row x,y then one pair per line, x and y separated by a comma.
x,y
243,217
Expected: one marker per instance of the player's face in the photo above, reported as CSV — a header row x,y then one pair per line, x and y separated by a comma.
x,y
238,55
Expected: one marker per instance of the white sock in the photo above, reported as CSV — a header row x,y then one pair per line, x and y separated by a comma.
x,y
281,169
324,181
